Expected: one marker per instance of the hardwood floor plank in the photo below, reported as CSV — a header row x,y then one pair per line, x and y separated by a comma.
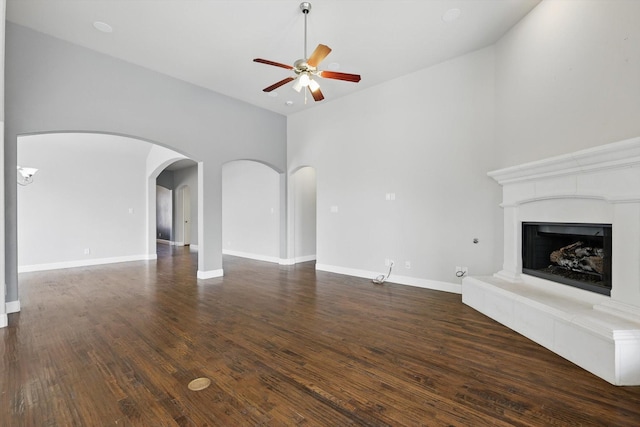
x,y
117,345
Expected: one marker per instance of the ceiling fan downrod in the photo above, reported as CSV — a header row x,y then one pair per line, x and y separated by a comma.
x,y
305,7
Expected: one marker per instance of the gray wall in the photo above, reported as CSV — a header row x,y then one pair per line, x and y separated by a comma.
x,y
175,180
52,85
185,177
164,213
165,179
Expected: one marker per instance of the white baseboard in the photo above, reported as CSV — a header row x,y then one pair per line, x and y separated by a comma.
x,y
163,241
266,258
257,257
305,258
12,307
84,263
211,274
181,244
296,260
401,280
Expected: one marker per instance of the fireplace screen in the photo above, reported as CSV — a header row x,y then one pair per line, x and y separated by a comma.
x,y
578,255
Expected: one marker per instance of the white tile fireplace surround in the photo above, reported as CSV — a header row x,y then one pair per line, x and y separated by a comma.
x,y
600,185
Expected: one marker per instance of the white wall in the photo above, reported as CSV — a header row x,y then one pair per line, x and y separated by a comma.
x,y
303,182
563,79
89,192
567,79
251,210
428,138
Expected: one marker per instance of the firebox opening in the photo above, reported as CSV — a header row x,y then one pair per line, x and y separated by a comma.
x,y
577,255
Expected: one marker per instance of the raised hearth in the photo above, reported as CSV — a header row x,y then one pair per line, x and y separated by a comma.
x,y
599,331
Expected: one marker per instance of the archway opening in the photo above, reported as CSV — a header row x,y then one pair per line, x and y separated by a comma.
x,y
304,194
89,203
251,210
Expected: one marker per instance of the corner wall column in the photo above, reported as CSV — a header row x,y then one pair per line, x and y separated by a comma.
x,y
6,290
209,220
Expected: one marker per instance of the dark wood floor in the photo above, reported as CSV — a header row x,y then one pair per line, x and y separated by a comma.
x,y
118,344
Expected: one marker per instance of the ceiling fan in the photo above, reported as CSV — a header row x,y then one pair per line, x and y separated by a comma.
x,y
307,68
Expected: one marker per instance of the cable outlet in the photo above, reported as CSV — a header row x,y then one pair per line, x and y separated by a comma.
x,y
461,271
388,262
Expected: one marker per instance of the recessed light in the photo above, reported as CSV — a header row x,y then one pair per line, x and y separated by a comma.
x,y
288,103
103,27
451,15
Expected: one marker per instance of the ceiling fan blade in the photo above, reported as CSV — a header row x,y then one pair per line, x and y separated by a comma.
x,y
317,94
277,85
318,55
275,64
355,78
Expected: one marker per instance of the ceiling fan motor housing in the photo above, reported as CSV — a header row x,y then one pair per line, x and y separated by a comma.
x,y
305,7
301,66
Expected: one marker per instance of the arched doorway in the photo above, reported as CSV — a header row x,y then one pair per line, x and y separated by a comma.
x,y
303,193
89,204
251,212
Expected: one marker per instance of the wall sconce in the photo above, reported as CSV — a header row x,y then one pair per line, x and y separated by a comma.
x,y
25,175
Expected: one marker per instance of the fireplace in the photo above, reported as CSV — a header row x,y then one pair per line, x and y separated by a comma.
x,y
573,254
579,211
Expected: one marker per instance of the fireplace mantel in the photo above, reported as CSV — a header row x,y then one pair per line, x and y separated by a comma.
x,y
618,155
596,185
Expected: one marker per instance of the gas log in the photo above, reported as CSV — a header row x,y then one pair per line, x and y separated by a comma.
x,y
576,257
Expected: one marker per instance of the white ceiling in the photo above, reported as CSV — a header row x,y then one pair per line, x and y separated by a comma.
x,y
211,43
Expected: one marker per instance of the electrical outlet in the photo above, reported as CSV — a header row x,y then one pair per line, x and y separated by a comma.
x,y
387,262
87,251
407,265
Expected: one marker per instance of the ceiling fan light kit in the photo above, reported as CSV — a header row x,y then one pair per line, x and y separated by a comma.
x,y
307,68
